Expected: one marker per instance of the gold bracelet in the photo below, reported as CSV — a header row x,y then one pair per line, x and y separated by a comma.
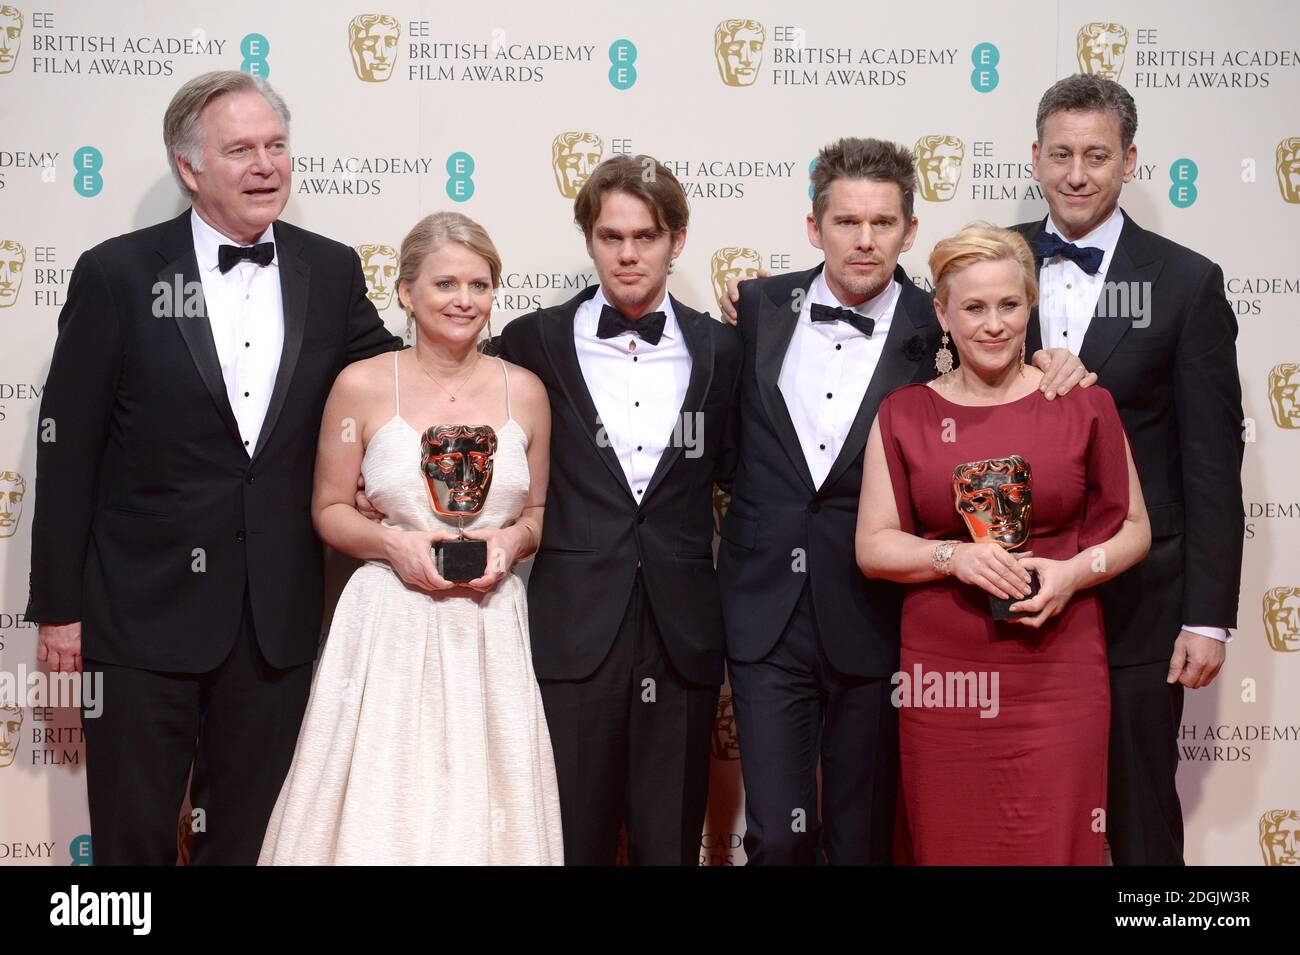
x,y
533,536
941,555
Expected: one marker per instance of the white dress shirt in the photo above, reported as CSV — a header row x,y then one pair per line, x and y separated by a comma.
x,y
826,370
638,388
1067,300
246,313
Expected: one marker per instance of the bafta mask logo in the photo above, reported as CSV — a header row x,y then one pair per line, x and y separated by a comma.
x,y
726,744
12,259
12,490
1284,394
573,156
1100,49
738,48
11,728
1282,618
1279,836
1288,168
11,37
372,42
994,499
457,464
379,263
733,261
938,166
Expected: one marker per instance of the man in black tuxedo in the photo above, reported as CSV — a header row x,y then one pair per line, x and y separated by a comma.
x,y
1150,318
172,548
811,643
623,604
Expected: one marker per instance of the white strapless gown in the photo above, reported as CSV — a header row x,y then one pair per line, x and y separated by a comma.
x,y
424,740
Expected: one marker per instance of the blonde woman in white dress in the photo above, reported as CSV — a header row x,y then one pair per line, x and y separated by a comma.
x,y
425,741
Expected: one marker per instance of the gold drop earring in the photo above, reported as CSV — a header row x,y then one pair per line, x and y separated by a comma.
x,y
943,357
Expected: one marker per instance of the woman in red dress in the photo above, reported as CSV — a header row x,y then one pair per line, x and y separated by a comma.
x,y
1003,725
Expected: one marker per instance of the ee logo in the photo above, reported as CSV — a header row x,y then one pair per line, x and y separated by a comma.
x,y
460,170
811,166
255,47
622,72
985,75
86,163
1183,191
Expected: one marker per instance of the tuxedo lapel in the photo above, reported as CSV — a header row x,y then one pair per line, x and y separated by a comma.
x,y
1131,265
177,251
897,366
562,352
699,343
772,329
1034,331
295,275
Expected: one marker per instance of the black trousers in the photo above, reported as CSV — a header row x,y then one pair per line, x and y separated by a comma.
x,y
632,744
793,708
237,725
1144,819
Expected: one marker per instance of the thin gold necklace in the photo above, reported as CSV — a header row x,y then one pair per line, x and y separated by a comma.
x,y
451,395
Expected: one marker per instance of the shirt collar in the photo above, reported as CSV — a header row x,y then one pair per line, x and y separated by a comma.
x,y
1104,237
882,306
599,301
207,240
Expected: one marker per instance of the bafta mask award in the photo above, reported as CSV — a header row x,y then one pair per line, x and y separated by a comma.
x,y
994,498
456,461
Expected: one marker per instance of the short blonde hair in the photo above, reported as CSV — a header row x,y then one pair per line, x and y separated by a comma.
x,y
981,242
437,229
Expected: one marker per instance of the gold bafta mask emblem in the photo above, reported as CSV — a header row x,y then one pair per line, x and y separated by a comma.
x,y
372,43
1284,394
379,263
1279,836
995,500
12,490
11,37
573,156
1288,168
738,48
726,744
13,257
11,728
1282,618
733,261
1101,48
938,166
457,464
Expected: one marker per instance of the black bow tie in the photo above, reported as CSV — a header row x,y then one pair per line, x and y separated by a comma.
x,y
613,322
833,313
228,256
1086,257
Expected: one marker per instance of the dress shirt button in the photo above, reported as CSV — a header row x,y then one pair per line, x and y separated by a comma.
x,y
636,404
638,490
246,395
634,357
828,394
245,444
638,447
245,344
838,347
822,446
239,535
1068,285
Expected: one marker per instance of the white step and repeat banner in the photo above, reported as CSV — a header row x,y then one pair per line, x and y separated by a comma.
x,y
500,110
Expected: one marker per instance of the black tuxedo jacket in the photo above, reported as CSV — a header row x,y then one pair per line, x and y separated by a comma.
x,y
1176,386
776,514
152,519
596,536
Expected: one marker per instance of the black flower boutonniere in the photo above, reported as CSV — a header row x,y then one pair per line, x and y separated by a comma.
x,y
914,349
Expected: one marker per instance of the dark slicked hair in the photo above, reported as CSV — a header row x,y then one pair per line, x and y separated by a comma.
x,y
1083,91
874,159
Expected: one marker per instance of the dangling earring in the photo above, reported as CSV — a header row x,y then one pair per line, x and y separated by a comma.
x,y
943,357
410,319
1022,358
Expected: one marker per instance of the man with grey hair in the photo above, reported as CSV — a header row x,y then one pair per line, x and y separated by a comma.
x,y
172,545
1150,318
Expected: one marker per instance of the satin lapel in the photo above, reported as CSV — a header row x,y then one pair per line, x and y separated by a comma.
x,y
775,325
1130,266
181,274
699,342
295,275
912,314
557,340
1034,332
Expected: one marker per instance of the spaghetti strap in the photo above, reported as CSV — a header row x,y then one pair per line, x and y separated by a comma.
x,y
397,389
505,371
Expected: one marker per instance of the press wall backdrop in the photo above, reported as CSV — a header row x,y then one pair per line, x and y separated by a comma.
x,y
501,110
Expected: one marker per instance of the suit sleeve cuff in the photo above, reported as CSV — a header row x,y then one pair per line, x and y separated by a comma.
x,y
1215,633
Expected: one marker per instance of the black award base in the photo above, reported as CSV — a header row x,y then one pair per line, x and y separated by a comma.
x,y
460,561
998,606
